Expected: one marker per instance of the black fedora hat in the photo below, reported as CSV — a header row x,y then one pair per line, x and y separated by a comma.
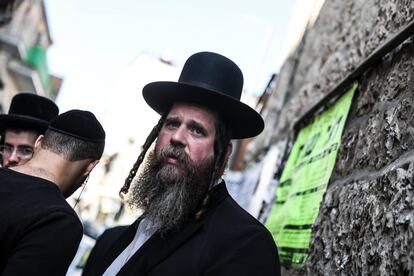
x,y
30,111
211,80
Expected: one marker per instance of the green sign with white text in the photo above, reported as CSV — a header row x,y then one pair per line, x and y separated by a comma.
x,y
304,181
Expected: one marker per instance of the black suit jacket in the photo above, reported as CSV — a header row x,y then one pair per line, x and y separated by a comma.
x,y
226,241
39,231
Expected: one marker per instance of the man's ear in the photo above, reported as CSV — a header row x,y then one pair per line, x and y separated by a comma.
x,y
90,167
226,159
38,142
229,150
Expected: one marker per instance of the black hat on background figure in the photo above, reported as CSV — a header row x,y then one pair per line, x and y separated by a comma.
x,y
31,111
82,125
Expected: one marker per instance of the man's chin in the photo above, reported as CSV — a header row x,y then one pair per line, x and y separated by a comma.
x,y
171,172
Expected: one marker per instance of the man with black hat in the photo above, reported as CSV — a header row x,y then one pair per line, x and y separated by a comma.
x,y
190,224
40,232
29,116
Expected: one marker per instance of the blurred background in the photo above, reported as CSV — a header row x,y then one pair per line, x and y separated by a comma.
x,y
297,57
104,53
97,55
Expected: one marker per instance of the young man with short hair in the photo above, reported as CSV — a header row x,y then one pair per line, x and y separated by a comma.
x,y
28,117
40,232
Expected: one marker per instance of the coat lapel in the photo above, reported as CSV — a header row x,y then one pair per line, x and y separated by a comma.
x,y
118,245
157,248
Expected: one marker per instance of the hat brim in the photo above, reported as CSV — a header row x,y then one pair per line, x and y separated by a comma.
x,y
244,120
21,121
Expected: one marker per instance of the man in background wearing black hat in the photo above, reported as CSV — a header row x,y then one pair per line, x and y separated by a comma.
x,y
190,224
29,116
40,232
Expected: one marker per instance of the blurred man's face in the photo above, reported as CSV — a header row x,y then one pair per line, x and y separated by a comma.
x,y
18,147
190,128
178,174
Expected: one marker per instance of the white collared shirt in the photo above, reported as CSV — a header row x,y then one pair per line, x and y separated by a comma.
x,y
145,230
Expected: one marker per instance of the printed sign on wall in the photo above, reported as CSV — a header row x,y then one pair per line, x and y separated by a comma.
x,y
304,181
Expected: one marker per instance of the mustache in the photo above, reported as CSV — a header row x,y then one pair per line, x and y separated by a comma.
x,y
168,198
175,152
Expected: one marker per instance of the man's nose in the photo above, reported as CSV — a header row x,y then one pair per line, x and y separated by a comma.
x,y
179,137
14,156
12,159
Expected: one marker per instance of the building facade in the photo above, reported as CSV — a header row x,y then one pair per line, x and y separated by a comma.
x,y
365,224
24,40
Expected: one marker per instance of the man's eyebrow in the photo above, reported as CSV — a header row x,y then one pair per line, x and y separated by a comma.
x,y
24,146
18,146
172,119
193,123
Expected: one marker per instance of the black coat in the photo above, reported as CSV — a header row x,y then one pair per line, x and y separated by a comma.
x,y
39,231
226,241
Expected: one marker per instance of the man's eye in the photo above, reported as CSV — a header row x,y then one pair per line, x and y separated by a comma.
x,y
26,151
198,131
7,148
171,125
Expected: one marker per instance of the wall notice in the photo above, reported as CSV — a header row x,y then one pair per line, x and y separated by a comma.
x,y
304,181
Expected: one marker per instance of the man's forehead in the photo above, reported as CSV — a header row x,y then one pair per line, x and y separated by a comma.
x,y
20,136
182,108
21,130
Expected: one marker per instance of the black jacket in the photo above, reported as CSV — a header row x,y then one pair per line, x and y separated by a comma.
x,y
39,231
226,241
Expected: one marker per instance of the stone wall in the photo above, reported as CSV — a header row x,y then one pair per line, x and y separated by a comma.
x,y
366,220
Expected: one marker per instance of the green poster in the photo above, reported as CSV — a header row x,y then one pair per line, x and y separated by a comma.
x,y
304,181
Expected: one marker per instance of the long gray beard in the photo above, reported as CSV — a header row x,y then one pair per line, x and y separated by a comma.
x,y
170,196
